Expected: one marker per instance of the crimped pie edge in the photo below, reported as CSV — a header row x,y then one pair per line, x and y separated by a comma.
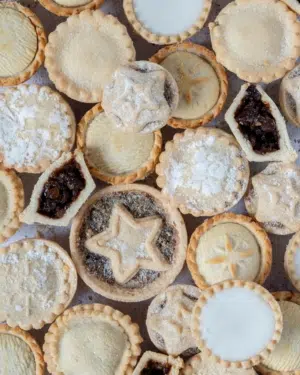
x,y
251,76
281,296
162,39
139,174
64,11
16,197
31,342
171,145
61,82
228,284
41,44
180,250
71,281
245,221
176,363
289,263
208,56
131,329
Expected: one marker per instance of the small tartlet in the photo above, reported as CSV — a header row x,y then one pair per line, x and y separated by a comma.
x,y
208,56
138,173
66,11
291,260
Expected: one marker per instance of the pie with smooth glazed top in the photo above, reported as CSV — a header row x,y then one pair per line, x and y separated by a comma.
x,y
20,58
201,80
273,198
19,352
99,36
292,261
284,359
128,243
169,319
60,192
37,282
112,155
102,340
203,172
293,4
237,323
229,246
69,7
289,95
11,203
167,22
36,126
259,127
258,41
152,363
141,97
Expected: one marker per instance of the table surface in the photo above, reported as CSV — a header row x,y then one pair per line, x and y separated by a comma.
x,y
276,281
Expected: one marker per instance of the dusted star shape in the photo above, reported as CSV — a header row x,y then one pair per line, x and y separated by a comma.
x,y
130,244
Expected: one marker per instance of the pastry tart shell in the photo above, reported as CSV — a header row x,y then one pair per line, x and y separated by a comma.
x,y
64,11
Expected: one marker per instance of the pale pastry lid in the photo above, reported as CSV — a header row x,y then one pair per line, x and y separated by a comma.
x,y
167,22
292,260
290,96
237,323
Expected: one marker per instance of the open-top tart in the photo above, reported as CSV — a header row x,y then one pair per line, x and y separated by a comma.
x,y
69,7
152,363
128,242
259,126
92,339
289,95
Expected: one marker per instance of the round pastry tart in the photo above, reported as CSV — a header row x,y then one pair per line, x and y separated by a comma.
x,y
11,203
37,282
285,359
167,22
69,7
141,97
201,80
237,323
169,320
102,340
99,36
128,243
203,172
112,155
157,363
290,97
292,261
245,43
20,57
229,246
19,352
293,4
36,126
273,198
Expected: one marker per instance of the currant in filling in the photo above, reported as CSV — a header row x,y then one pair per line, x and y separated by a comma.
x,y
156,368
61,190
257,123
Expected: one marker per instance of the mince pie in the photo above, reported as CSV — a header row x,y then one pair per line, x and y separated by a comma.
x,y
152,363
293,4
289,95
292,260
67,8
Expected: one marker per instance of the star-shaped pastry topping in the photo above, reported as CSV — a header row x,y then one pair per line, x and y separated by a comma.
x,y
232,256
130,244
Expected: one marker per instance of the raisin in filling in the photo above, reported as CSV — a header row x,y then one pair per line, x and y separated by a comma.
x,y
61,190
257,123
156,368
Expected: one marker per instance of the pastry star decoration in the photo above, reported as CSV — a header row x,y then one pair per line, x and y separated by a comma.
x,y
232,256
130,244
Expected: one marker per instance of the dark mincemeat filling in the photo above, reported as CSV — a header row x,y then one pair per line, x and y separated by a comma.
x,y
156,368
257,123
61,190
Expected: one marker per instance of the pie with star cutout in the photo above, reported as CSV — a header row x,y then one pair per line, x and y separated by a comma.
x,y
229,246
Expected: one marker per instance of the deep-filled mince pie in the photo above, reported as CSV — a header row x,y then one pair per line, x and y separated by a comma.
x,y
69,7
60,191
152,363
259,126
141,97
128,242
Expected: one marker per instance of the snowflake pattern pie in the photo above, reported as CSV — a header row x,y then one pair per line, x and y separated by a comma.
x,y
203,172
37,282
128,243
273,198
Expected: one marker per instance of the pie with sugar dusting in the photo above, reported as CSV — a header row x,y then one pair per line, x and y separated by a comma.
x,y
67,8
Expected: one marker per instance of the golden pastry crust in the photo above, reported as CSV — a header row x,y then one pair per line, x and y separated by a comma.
x,y
30,341
41,43
280,296
289,261
228,284
162,39
245,221
209,57
63,11
15,195
52,337
175,363
138,174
